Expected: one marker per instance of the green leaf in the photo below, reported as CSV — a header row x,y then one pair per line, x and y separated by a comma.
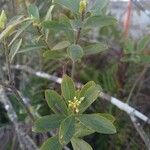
x,y
79,144
89,97
67,129
97,6
145,58
86,87
55,25
21,29
10,28
51,144
61,45
31,48
72,5
54,55
108,116
55,102
131,58
75,52
67,88
143,43
69,32
97,123
99,21
129,46
47,123
95,48
62,25
14,49
81,130
3,20
48,15
33,11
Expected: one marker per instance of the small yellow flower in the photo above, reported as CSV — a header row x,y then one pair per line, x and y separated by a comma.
x,y
74,104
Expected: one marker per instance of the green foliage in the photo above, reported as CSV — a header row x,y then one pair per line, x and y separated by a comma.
x,y
54,55
79,144
143,43
61,45
98,6
73,124
98,123
10,27
33,11
71,5
99,21
94,48
55,102
67,129
3,19
48,123
58,37
14,49
67,88
90,96
136,53
51,144
75,52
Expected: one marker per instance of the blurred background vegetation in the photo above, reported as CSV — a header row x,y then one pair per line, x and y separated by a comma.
x,y
122,71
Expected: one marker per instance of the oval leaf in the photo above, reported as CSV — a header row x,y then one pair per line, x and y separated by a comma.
x,y
67,88
79,144
51,144
48,123
3,19
75,52
97,6
98,123
54,55
108,116
95,48
61,45
72,5
67,129
55,102
81,130
86,87
99,21
89,97
55,25
33,11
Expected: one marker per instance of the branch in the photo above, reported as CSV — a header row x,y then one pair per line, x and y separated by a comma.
x,y
26,143
118,103
140,131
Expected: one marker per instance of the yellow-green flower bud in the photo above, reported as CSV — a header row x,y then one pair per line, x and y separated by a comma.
x,y
82,6
3,19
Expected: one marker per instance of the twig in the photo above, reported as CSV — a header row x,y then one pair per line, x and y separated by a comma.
x,y
140,7
140,131
125,107
76,42
135,84
26,143
11,85
118,103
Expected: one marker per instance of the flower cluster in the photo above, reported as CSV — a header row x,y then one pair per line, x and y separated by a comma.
x,y
74,104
